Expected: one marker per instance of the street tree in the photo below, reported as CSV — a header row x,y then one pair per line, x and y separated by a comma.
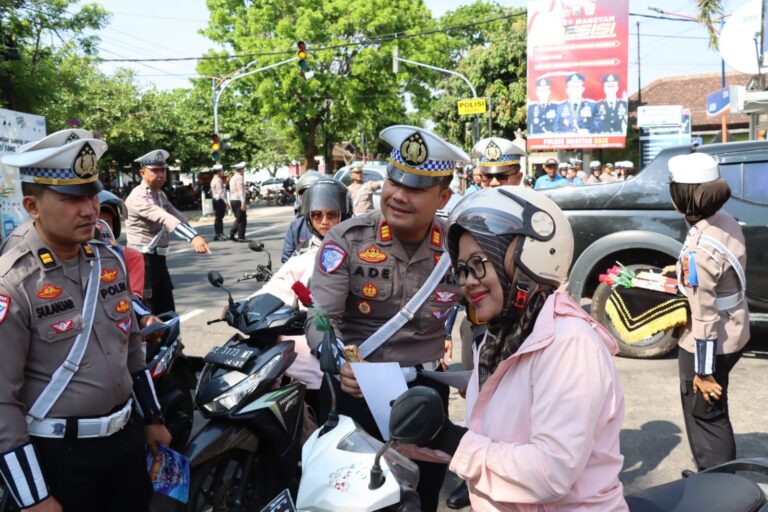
x,y
493,57
37,38
351,89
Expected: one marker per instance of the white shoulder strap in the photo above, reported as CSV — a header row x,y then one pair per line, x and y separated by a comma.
x,y
402,317
63,375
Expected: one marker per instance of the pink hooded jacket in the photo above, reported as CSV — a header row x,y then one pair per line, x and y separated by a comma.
x,y
544,429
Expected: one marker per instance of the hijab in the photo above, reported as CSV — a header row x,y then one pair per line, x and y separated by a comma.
x,y
699,201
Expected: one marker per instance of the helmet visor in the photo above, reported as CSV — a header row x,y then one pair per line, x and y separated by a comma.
x,y
518,217
325,196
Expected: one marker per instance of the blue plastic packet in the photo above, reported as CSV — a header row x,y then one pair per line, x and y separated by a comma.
x,y
170,474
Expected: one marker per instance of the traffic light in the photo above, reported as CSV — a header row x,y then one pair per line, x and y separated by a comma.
x,y
215,147
302,55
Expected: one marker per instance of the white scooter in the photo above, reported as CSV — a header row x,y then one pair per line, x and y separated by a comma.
x,y
344,469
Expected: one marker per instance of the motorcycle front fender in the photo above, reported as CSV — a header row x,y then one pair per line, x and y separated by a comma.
x,y
217,437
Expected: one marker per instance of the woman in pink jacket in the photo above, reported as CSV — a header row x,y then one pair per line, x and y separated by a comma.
x,y
545,406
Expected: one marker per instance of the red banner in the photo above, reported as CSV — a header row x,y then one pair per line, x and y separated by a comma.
x,y
577,74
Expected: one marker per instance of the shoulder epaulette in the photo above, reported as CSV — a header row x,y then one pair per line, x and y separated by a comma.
x,y
11,256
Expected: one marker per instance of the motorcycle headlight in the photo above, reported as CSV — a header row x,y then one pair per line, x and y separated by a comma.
x,y
232,397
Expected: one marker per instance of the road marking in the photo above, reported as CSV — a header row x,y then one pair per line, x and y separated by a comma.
x,y
186,316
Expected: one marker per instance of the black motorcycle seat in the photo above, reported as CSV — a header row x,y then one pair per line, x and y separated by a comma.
x,y
713,492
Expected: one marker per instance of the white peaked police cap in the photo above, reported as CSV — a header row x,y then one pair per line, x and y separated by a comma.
x,y
419,158
693,168
155,158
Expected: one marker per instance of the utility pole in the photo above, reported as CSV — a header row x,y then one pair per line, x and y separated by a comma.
x,y
639,82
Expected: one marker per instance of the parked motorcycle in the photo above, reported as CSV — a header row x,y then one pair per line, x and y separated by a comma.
x,y
344,469
250,446
174,377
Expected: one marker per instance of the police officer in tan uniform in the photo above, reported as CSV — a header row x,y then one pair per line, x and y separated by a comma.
x,y
72,355
151,216
361,193
711,274
219,203
370,266
238,203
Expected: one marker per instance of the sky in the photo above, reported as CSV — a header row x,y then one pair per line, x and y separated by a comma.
x,y
170,28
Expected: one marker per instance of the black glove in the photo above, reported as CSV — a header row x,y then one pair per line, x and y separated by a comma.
x,y
448,437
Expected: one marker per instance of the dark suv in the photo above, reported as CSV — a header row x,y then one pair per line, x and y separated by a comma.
x,y
633,222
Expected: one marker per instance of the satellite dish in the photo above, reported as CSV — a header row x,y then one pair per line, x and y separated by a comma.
x,y
737,39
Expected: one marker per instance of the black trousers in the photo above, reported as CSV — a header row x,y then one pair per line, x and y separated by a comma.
x,y
241,220
219,209
710,434
158,288
100,474
431,475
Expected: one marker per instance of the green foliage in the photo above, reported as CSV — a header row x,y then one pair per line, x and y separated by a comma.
x,y
493,57
37,38
353,90
709,12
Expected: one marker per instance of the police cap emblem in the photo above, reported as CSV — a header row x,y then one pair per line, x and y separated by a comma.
x,y
492,152
85,162
413,150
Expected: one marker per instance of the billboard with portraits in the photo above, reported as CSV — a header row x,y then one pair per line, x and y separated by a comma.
x,y
577,74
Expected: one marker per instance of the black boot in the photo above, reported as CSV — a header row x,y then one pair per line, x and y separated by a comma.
x,y
459,498
232,236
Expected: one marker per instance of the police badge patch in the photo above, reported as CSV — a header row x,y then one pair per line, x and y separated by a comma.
x,y
413,150
124,325
85,162
5,305
331,257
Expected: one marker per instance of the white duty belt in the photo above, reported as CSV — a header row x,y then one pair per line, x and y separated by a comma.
x,y
403,316
729,301
63,375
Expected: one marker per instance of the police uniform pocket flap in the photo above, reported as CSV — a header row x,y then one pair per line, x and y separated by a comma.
x,y
60,327
117,308
373,289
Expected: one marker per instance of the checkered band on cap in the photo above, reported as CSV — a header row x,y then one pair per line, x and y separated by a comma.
x,y
153,162
49,176
434,168
509,159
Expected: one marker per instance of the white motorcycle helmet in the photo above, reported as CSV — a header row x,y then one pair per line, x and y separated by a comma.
x,y
545,250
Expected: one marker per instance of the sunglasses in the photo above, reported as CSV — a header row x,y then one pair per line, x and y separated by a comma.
x,y
474,265
320,214
501,177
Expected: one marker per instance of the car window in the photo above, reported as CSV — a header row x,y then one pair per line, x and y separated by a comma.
x,y
756,182
732,174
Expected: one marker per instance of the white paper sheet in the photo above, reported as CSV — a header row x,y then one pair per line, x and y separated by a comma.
x,y
380,383
458,380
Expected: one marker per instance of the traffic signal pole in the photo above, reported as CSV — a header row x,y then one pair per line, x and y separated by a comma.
x,y
396,58
221,87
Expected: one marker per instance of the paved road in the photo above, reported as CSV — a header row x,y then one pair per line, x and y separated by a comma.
x,y
653,440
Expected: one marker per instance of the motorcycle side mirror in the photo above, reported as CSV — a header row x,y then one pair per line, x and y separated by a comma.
x,y
256,245
416,416
215,278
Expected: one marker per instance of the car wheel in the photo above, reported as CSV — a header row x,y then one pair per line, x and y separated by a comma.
x,y
651,347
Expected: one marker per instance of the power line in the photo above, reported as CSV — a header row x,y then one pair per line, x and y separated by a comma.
x,y
657,17
364,42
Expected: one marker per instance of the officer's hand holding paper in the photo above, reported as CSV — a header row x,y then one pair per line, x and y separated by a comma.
x,y
156,328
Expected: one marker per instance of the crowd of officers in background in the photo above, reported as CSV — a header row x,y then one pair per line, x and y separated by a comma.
x,y
553,174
